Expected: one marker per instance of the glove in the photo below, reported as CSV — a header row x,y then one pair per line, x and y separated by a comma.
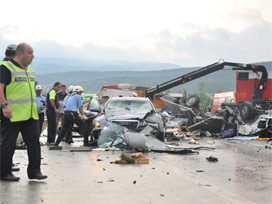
x,y
84,117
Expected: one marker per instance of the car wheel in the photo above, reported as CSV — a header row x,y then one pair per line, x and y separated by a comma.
x,y
193,101
247,111
96,134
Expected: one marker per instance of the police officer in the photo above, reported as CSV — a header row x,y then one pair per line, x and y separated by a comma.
x,y
68,135
51,112
60,115
19,113
71,114
10,54
41,105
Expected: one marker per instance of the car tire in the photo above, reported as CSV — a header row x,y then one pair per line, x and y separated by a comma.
x,y
247,111
193,101
96,134
160,136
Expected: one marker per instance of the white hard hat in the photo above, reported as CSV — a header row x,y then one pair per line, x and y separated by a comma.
x,y
38,88
134,94
71,88
78,89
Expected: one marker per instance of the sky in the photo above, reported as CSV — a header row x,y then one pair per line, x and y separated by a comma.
x,y
187,33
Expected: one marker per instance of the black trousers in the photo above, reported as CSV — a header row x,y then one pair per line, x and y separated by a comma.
x,y
69,119
51,129
41,120
9,134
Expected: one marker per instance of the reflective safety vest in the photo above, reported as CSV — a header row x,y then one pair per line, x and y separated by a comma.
x,y
20,93
1,106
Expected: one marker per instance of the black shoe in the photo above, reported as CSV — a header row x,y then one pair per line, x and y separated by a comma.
x,y
38,176
15,169
70,141
54,146
86,145
10,177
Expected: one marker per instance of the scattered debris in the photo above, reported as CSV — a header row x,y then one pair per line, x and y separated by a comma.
x,y
268,147
204,184
212,159
135,158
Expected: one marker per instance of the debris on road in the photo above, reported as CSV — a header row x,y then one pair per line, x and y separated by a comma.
x,y
212,159
134,158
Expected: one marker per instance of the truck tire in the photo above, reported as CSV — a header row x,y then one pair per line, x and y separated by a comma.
x,y
247,111
193,101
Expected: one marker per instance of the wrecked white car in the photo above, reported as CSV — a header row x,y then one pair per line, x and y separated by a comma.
x,y
133,113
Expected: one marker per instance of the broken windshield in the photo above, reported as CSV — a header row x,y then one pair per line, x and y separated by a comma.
x,y
129,105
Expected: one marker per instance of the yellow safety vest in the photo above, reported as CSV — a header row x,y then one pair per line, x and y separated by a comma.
x,y
20,93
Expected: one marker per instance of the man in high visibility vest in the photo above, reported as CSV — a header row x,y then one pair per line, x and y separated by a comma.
x,y
9,54
19,113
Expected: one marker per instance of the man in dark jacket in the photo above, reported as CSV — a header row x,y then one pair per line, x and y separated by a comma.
x,y
51,112
10,54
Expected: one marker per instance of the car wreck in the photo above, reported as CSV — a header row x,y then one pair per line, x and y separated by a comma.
x,y
132,113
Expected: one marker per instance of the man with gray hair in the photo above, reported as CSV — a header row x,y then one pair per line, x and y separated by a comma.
x,y
19,113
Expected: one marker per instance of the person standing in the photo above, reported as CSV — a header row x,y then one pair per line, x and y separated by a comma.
x,y
41,105
19,113
10,54
68,135
71,114
51,112
60,115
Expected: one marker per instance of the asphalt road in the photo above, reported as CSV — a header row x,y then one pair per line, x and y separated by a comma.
x,y
243,174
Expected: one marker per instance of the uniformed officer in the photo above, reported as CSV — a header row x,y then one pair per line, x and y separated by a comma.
x,y
10,54
41,105
51,112
17,98
71,115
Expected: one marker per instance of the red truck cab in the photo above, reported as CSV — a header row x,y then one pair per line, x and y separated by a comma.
x,y
225,97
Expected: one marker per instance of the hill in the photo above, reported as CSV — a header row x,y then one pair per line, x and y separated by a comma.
x,y
92,81
49,66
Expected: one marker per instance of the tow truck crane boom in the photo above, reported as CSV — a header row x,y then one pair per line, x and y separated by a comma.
x,y
257,94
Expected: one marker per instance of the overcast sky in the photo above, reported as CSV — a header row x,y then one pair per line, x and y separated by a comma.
x,y
184,32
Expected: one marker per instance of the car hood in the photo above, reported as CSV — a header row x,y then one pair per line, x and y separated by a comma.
x,y
124,115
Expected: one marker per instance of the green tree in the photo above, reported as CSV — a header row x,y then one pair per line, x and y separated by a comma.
x,y
201,87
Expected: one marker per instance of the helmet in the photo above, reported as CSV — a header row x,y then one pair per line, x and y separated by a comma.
x,y
78,89
38,88
71,89
134,94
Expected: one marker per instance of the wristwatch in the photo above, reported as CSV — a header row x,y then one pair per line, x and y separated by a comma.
x,y
4,105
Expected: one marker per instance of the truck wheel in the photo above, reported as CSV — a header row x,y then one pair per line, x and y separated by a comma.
x,y
247,111
193,101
